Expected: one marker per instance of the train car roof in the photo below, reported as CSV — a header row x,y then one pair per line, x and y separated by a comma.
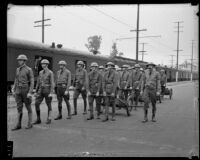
x,y
25,44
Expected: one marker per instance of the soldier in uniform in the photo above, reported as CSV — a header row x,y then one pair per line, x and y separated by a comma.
x,y
22,89
135,83
45,85
109,90
63,82
124,82
151,82
163,81
81,85
101,97
94,84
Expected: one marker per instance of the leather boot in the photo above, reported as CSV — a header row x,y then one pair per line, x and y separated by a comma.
x,y
49,117
38,120
91,117
59,114
85,107
29,121
75,107
69,110
18,126
153,115
145,116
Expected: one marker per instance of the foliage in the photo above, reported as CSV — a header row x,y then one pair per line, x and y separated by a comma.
x,y
93,44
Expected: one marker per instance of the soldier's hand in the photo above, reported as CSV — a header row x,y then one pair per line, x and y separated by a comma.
x,y
141,92
66,92
112,94
131,88
104,93
117,96
83,88
89,93
50,95
97,94
29,95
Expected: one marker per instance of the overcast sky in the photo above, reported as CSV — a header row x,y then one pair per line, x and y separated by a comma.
x,y
72,25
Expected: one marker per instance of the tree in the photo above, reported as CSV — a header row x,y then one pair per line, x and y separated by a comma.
x,y
114,51
121,53
93,44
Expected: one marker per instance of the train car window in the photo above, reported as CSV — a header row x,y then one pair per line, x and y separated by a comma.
x,y
38,67
85,64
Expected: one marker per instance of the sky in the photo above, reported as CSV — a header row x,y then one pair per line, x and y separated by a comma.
x,y
71,25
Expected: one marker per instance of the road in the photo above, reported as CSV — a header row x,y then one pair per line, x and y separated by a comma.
x,y
174,134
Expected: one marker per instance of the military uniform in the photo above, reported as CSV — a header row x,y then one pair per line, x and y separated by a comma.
x,y
151,82
163,81
24,83
135,84
94,84
45,87
81,85
101,98
123,84
109,87
63,82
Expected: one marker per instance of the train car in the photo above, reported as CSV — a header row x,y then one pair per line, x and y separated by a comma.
x,y
35,52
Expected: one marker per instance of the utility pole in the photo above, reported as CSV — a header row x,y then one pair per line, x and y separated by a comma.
x,y
43,25
137,31
177,50
143,51
172,60
192,59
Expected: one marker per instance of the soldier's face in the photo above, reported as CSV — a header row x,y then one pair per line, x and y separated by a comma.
x,y
44,66
93,68
150,67
109,67
137,69
78,65
21,62
61,66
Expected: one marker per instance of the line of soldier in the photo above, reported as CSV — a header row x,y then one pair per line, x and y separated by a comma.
x,y
100,84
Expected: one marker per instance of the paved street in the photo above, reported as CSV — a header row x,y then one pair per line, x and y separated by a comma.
x,y
174,134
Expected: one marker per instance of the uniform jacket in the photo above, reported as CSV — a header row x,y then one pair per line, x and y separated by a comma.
x,y
24,77
81,78
110,81
152,81
63,77
135,79
101,86
46,79
94,82
124,79
163,79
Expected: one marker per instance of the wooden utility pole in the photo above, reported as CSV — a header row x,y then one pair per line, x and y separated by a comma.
x,y
143,50
177,50
137,31
43,25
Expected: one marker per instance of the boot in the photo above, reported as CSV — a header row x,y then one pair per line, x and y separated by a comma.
x,y
145,116
106,119
18,126
91,117
113,118
38,121
85,107
49,117
29,121
153,115
75,107
59,114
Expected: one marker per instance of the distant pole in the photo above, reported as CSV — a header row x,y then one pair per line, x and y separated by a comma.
x,y
137,32
143,51
172,60
177,49
43,25
192,59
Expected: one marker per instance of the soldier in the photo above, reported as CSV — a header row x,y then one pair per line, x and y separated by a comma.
x,y
101,98
63,82
135,83
124,82
45,85
151,82
81,85
94,84
22,89
163,81
109,90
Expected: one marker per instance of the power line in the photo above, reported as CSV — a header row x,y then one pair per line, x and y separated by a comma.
x,y
88,21
119,21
